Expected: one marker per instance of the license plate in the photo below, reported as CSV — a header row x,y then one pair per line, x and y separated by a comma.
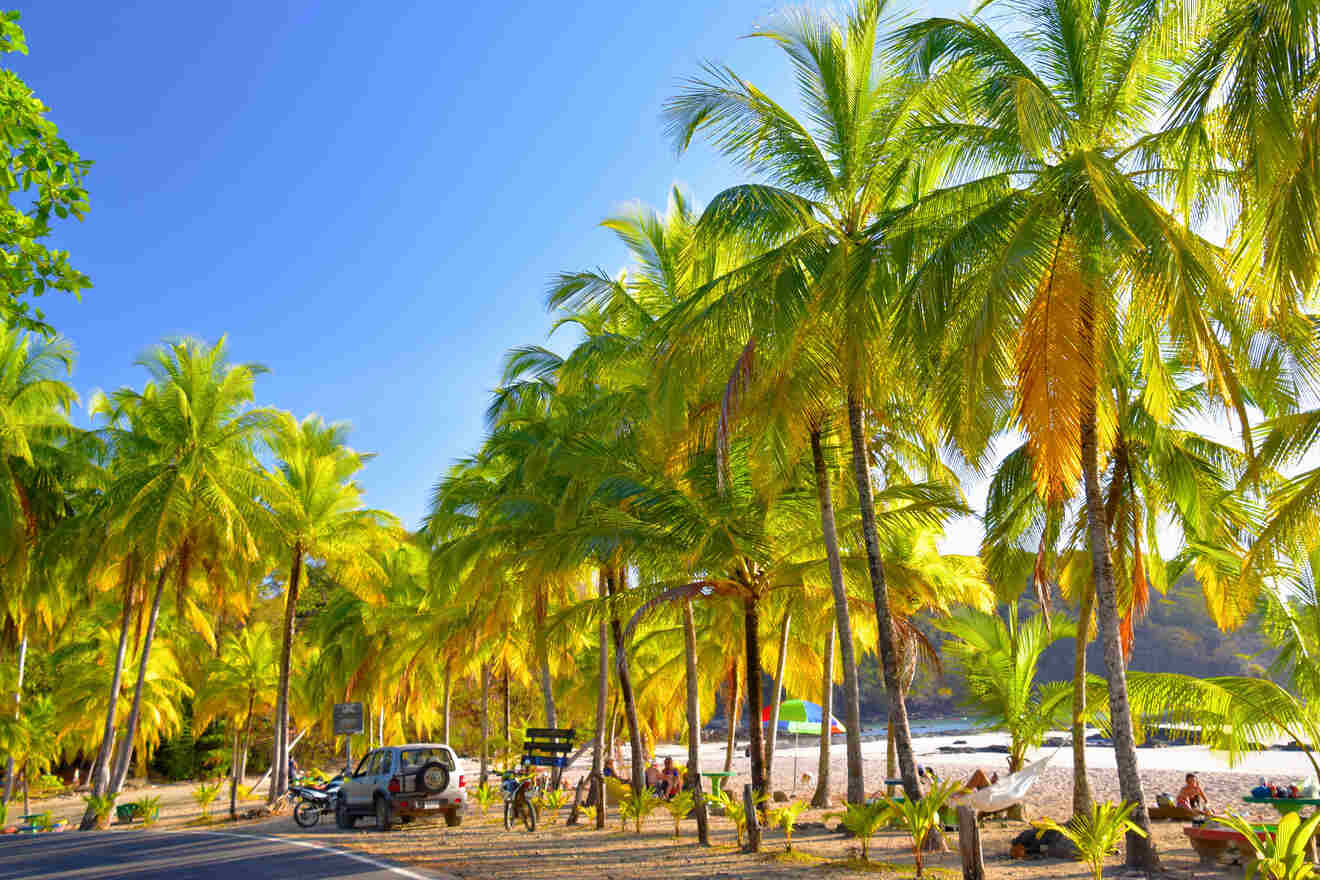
x,y
431,805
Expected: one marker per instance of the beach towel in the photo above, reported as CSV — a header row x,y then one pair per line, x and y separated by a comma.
x,y
1010,790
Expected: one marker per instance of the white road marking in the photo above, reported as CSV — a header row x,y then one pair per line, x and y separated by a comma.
x,y
349,854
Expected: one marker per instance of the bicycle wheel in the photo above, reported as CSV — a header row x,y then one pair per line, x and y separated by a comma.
x,y
508,815
306,814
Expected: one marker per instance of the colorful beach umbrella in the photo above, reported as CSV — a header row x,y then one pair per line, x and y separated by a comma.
x,y
801,716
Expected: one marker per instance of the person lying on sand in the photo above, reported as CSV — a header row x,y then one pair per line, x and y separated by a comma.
x,y
1192,796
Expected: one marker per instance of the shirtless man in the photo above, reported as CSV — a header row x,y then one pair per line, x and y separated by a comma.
x,y
654,781
672,779
1192,796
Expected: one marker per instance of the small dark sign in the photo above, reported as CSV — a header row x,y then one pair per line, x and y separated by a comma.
x,y
349,718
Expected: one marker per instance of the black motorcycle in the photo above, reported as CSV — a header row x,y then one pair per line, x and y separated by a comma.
x,y
312,801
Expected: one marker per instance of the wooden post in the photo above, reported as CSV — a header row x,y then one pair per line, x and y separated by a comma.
x,y
969,845
577,800
753,823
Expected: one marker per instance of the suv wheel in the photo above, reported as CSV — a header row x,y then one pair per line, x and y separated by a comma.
x,y
343,819
453,818
382,814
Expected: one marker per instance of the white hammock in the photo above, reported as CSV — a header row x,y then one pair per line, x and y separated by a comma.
x,y
1010,790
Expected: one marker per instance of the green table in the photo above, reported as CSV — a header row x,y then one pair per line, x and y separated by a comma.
x,y
1284,806
717,778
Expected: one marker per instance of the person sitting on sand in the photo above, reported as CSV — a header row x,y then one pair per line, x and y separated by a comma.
x,y
1192,796
671,779
654,781
608,772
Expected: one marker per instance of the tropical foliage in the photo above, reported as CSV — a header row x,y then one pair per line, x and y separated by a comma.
x,y
1053,243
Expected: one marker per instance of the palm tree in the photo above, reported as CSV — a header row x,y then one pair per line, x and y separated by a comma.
x,y
239,683
999,659
39,459
317,511
829,180
184,495
1048,227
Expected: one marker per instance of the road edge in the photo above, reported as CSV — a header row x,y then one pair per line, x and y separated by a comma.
x,y
398,870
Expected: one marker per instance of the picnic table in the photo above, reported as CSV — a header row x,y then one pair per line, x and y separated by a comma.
x,y
716,778
1211,843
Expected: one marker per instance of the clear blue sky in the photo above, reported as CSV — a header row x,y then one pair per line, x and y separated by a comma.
x,y
368,199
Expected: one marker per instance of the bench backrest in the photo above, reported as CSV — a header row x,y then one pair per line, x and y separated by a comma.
x,y
548,746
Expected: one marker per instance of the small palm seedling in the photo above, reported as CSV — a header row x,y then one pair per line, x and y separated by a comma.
x,y
734,811
637,805
550,802
101,806
485,795
1282,855
149,809
785,817
920,817
1098,834
205,794
679,806
589,815
863,820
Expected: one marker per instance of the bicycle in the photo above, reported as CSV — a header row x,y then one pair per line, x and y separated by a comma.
x,y
519,799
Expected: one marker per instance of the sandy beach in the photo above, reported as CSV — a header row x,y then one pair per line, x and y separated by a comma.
x,y
481,848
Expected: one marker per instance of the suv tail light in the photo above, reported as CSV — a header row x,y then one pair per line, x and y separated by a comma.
x,y
462,780
394,786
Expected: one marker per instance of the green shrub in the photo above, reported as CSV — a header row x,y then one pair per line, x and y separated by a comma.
x,y
920,817
864,820
679,806
148,808
485,795
1280,856
205,795
550,802
734,810
785,817
101,807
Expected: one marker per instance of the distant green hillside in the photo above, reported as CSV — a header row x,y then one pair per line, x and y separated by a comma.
x,y
1176,635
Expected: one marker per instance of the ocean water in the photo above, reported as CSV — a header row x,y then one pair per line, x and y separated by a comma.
x,y
927,726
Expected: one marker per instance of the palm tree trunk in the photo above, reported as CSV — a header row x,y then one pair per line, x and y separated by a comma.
x,y
775,700
279,777
547,688
891,757
18,708
240,757
821,798
1081,784
233,778
599,746
1140,851
616,586
694,724
448,703
130,734
751,637
485,721
852,711
101,770
907,763
732,709
508,738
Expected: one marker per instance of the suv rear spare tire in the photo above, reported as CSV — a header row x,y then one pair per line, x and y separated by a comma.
x,y
433,778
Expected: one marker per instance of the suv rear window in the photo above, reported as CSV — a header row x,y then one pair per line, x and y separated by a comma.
x,y
415,758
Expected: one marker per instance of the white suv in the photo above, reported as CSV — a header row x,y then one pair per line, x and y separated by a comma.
x,y
400,783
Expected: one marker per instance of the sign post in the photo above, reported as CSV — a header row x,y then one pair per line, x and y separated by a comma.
x,y
349,719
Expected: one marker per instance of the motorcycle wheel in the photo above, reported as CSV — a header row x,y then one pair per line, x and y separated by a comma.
x,y
306,814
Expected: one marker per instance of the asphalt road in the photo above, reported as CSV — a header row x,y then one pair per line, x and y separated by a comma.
x,y
70,855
